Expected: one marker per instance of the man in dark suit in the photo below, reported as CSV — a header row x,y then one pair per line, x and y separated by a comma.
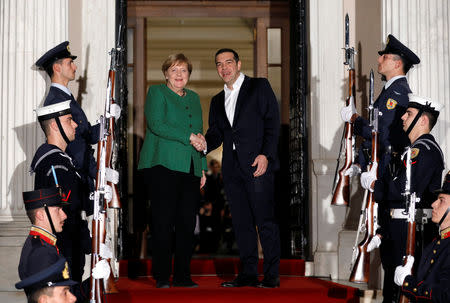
x,y
245,118
59,65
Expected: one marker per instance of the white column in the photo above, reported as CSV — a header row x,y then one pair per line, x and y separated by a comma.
x,y
424,27
98,29
328,90
27,30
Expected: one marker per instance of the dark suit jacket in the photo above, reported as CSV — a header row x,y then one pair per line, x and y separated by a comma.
x,y
255,127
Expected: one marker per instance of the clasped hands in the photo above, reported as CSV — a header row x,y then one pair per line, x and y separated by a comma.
x,y
198,141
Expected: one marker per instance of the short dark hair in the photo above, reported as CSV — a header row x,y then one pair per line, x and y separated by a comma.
x,y
32,215
227,50
45,125
406,64
49,67
176,59
34,295
431,118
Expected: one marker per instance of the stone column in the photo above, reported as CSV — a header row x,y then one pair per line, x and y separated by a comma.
x,y
28,29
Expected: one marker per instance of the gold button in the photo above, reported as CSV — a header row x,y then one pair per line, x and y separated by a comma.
x,y
426,293
406,284
415,290
434,251
432,261
438,242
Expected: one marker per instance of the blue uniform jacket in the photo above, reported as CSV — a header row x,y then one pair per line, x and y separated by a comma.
x,y
80,149
432,282
392,104
74,241
426,175
39,245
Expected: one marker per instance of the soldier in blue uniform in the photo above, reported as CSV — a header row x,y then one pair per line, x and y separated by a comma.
x,y
44,209
394,63
432,281
59,65
74,241
47,281
426,173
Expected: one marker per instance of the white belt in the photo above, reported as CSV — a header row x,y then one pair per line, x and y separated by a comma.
x,y
399,213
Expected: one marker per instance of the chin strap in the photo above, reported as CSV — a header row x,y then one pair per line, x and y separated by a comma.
x,y
419,113
61,130
50,219
443,218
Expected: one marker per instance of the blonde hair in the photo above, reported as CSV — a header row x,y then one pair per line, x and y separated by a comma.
x,y
176,59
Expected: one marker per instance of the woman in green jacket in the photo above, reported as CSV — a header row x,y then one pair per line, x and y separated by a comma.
x,y
173,171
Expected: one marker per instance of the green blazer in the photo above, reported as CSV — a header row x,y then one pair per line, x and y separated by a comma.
x,y
170,121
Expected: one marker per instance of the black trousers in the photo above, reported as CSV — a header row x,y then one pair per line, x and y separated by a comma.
x,y
252,204
174,198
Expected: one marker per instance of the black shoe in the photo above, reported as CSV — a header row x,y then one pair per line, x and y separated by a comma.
x,y
186,283
241,280
269,282
162,284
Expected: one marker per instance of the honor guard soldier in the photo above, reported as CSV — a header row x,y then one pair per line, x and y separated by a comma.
x,y
59,65
427,164
394,63
432,282
47,280
53,167
44,209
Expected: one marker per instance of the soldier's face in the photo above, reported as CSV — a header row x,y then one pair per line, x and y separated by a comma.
x,y
69,126
68,69
408,117
61,294
58,217
227,68
439,208
387,63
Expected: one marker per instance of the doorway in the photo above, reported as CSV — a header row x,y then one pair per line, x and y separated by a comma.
x,y
259,31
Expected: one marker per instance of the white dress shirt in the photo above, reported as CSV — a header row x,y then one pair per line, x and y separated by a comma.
x,y
231,96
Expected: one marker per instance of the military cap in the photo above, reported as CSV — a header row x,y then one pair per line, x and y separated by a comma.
x,y
393,46
425,104
50,271
43,197
445,185
53,110
60,51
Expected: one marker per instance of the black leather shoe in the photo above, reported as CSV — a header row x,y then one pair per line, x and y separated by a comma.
x,y
269,282
186,283
162,284
240,281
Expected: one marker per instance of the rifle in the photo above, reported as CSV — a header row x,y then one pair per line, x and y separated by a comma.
x,y
105,195
410,210
368,218
341,188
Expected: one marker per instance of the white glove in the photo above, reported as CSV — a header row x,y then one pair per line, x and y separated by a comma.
x,y
101,270
348,111
374,243
115,110
353,170
402,271
368,177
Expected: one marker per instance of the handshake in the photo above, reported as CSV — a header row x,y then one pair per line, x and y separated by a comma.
x,y
198,141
